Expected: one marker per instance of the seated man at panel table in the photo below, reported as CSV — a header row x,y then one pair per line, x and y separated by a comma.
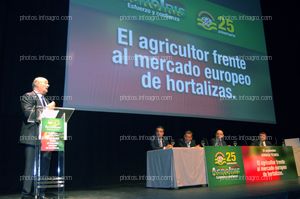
x,y
187,140
159,141
262,140
218,140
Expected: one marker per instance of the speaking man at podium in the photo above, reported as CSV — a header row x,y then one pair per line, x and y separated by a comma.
x,y
29,134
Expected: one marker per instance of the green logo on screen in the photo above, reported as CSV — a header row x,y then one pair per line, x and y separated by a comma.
x,y
220,24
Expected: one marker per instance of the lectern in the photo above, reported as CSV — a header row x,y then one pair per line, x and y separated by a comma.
x,y
51,135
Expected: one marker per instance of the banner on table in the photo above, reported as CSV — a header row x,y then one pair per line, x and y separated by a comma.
x,y
248,164
268,163
224,165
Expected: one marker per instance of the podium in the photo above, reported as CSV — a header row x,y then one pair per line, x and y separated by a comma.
x,y
51,134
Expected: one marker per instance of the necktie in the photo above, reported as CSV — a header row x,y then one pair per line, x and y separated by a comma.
x,y
220,143
188,144
43,101
160,142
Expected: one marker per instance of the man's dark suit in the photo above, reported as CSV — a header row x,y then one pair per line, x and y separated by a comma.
x,y
257,143
181,143
29,133
154,142
215,142
29,137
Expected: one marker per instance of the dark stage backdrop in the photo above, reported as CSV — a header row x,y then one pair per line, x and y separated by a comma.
x,y
95,156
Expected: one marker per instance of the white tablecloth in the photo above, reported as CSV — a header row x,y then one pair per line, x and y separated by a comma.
x,y
297,158
177,167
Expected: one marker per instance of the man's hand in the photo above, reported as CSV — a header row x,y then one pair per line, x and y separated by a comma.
x,y
51,105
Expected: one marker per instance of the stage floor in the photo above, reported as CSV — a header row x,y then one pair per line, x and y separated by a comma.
x,y
273,190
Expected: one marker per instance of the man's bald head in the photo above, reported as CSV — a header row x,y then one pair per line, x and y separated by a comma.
x,y
40,85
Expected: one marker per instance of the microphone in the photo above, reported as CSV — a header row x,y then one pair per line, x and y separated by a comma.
x,y
275,141
206,141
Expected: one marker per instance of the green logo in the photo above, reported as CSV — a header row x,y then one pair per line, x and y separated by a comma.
x,y
206,21
52,125
220,24
220,158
